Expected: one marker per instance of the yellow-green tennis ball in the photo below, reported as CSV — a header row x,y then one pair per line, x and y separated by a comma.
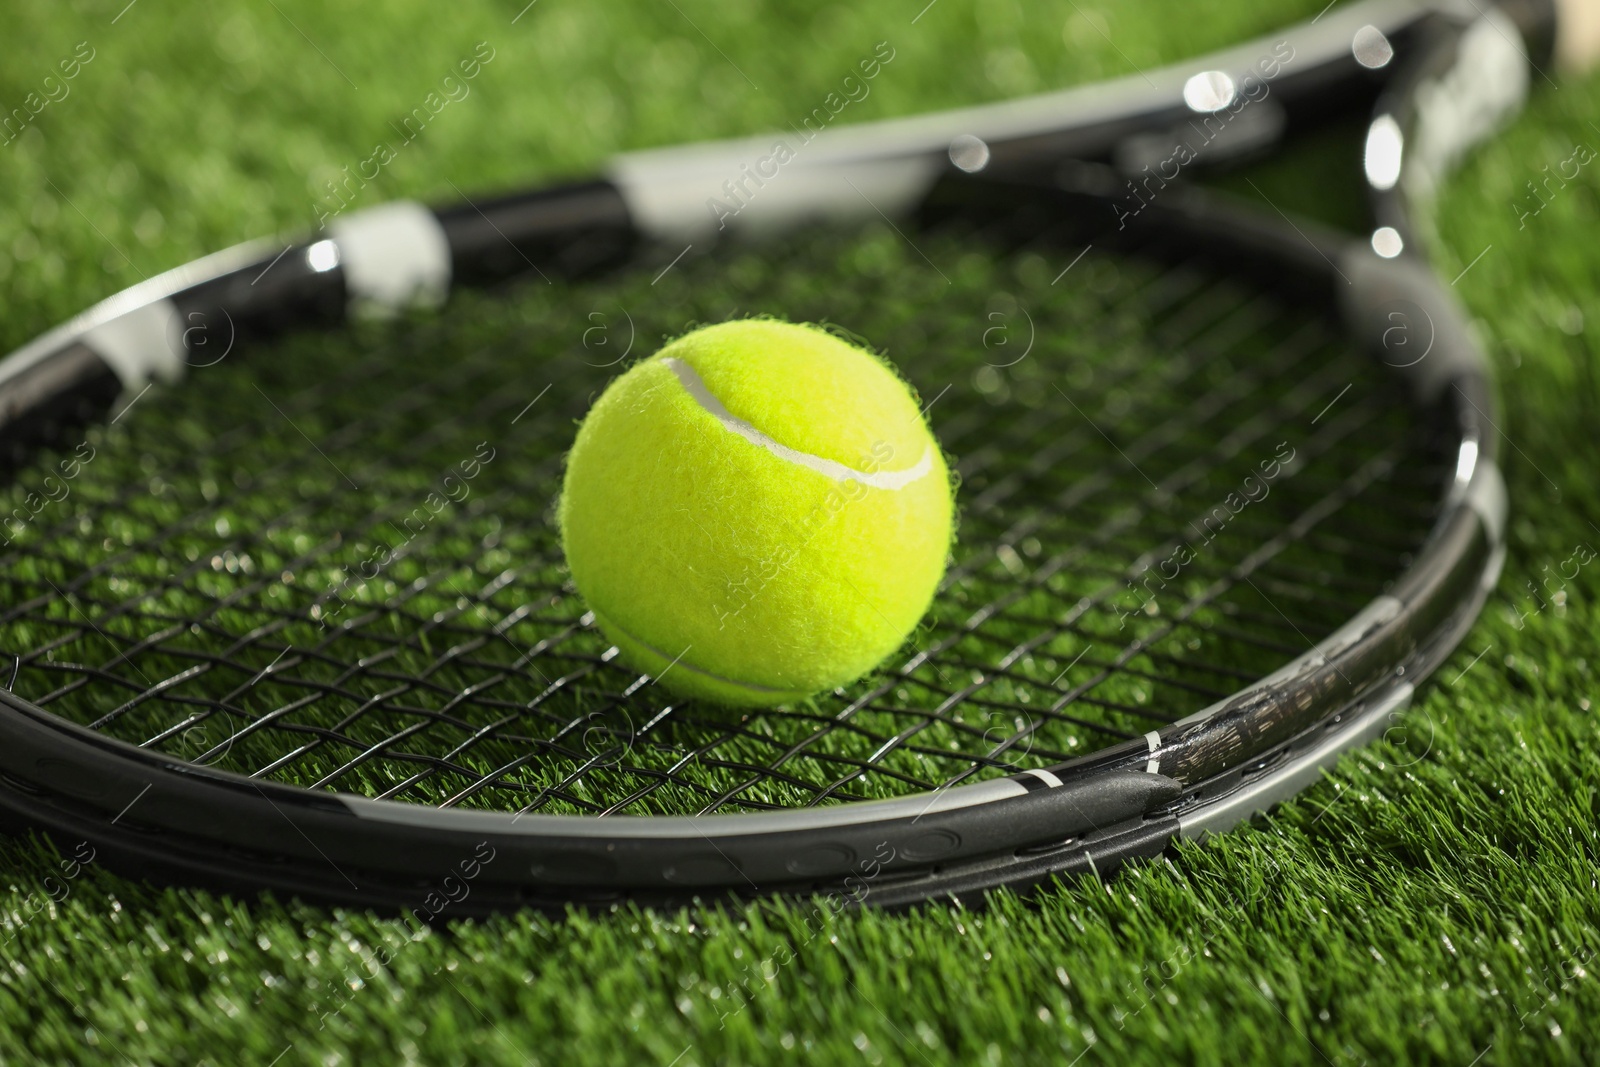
x,y
756,513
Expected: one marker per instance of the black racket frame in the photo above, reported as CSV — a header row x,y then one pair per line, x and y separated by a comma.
x,y
151,815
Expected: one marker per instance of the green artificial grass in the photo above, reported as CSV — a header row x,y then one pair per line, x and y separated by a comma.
x,y
1435,900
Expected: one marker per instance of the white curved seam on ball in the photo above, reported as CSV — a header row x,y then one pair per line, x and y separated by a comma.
x,y
691,668
696,388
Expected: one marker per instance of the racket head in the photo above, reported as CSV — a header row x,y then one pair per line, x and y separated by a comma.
x,y
367,796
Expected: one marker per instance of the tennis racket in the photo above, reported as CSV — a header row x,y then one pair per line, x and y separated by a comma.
x,y
285,608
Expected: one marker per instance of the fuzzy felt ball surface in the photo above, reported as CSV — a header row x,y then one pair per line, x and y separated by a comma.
x,y
756,513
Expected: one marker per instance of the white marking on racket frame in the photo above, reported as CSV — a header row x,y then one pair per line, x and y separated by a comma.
x,y
696,388
150,291
1492,569
681,194
1153,739
142,343
1486,494
1046,777
394,256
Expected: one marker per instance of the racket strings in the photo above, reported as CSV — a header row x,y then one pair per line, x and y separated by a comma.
x,y
232,440
466,673
1032,720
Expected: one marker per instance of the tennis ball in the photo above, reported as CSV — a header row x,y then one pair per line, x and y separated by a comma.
x,y
756,513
